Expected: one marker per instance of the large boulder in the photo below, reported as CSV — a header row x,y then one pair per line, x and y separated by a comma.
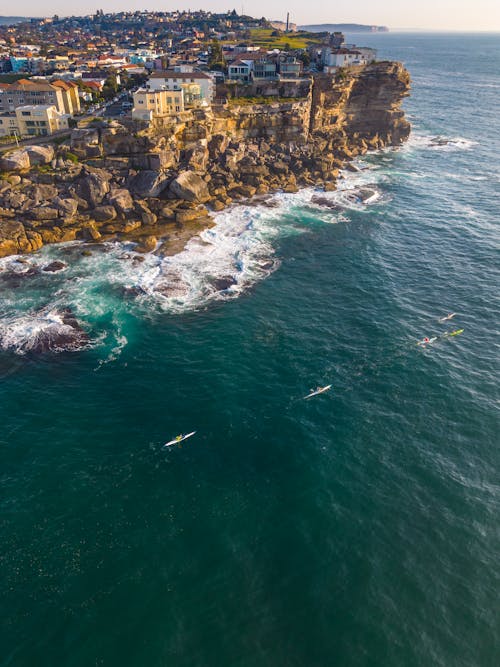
x,y
103,213
15,161
148,183
188,215
146,215
92,188
66,206
217,145
13,238
147,244
44,213
191,187
40,154
14,199
121,200
42,193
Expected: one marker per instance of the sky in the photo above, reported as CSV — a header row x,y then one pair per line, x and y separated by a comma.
x,y
403,14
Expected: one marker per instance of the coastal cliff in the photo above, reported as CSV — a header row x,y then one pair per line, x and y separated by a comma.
x,y
119,180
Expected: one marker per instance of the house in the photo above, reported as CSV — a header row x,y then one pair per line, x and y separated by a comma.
x,y
71,99
8,124
264,69
240,70
149,104
27,92
40,120
174,80
290,68
333,58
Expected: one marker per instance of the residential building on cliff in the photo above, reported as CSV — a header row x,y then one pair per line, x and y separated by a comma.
x,y
33,120
149,104
40,120
63,95
333,58
174,80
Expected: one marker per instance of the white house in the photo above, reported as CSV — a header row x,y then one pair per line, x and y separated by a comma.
x,y
240,70
173,80
342,57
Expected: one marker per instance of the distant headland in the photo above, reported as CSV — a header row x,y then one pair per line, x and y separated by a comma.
x,y
344,27
11,20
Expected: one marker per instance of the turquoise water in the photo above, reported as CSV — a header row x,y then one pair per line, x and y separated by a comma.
x,y
357,528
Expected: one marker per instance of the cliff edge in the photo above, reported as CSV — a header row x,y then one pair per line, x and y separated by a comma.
x,y
119,179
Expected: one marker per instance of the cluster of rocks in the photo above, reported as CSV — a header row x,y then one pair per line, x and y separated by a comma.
x,y
117,180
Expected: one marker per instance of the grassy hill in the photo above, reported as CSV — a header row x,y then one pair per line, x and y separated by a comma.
x,y
296,40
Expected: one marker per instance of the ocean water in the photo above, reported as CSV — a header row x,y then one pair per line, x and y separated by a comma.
x,y
358,528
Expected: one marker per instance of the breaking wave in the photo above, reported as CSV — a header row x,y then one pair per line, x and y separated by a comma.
x,y
50,329
91,289
438,143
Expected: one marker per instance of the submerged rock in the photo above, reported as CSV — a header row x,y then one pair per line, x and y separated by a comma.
x,y
54,266
13,279
325,202
47,330
223,283
147,244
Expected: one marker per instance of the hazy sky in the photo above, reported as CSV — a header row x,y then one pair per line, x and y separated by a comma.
x,y
404,14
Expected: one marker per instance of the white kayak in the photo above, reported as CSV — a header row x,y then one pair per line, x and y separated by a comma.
x,y
179,438
319,390
446,317
427,341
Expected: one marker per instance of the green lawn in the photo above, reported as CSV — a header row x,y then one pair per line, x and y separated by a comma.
x,y
296,40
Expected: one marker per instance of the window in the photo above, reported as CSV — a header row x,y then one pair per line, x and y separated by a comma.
x,y
25,113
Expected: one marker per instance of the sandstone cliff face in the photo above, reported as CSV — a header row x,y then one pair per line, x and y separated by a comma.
x,y
363,104
129,180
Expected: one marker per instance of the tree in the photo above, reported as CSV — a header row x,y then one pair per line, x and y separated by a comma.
x,y
305,58
110,87
216,60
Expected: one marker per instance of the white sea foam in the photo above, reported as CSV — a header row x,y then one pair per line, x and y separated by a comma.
x,y
44,330
219,264
438,143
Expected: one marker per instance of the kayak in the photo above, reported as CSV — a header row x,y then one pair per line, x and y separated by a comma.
x,y
447,317
427,342
319,390
456,333
178,439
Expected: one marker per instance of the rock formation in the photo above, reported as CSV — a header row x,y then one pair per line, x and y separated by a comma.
x,y
119,178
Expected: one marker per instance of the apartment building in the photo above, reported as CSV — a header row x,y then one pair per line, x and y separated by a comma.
x,y
151,103
174,80
26,92
33,120
40,120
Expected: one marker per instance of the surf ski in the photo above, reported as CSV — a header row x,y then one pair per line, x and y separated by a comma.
x,y
447,317
179,438
426,341
318,390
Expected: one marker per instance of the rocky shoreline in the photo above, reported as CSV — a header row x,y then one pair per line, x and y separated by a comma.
x,y
157,187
